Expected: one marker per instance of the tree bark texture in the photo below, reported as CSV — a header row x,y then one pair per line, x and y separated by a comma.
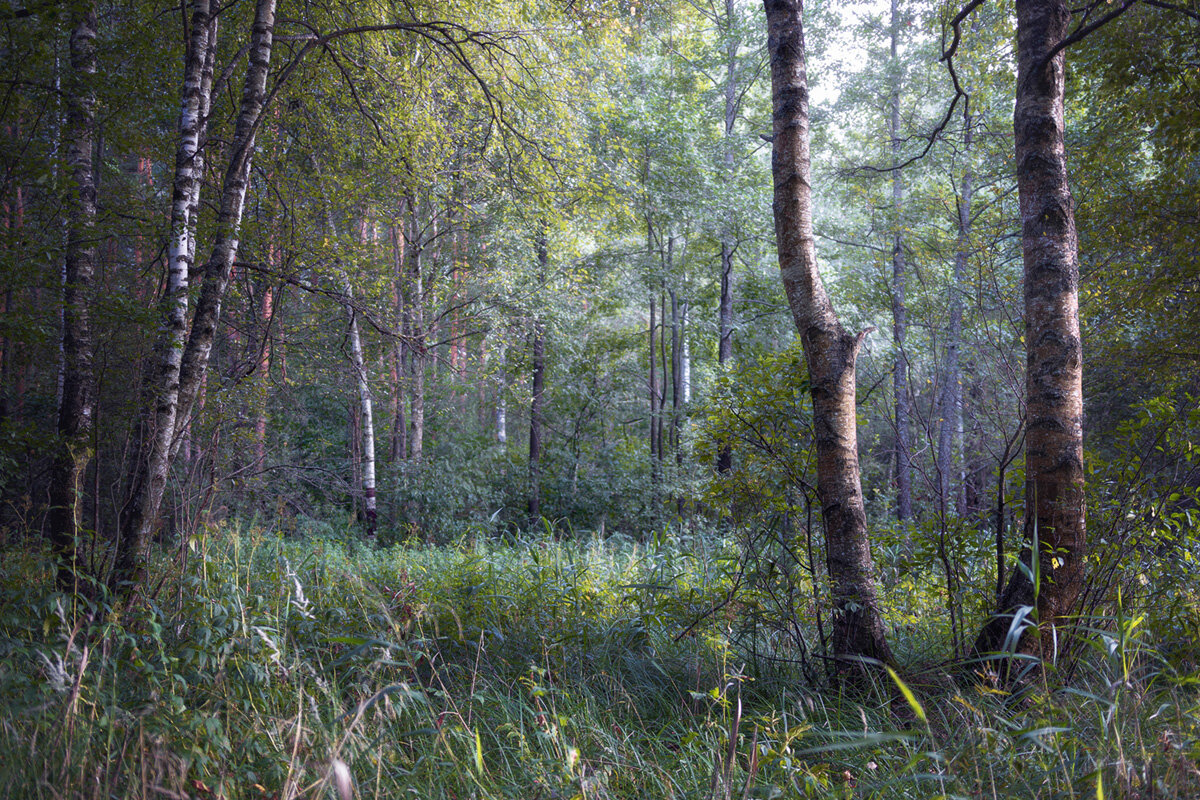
x,y
829,350
1054,486
77,403
161,400
182,369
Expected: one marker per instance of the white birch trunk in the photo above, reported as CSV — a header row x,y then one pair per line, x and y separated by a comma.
x,y
364,401
183,370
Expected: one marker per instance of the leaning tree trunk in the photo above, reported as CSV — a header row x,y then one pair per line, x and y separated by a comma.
x,y
829,349
1054,482
183,366
76,407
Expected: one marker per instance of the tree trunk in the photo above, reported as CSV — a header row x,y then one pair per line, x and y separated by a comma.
x,y
266,315
654,407
904,509
685,356
76,406
664,373
829,350
950,404
1054,482
502,397
416,347
725,321
399,438
366,415
183,366
362,426
538,347
676,378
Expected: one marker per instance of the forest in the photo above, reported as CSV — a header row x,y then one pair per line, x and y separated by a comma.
x,y
599,399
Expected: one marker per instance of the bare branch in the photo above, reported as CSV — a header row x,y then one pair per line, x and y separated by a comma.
x,y
959,93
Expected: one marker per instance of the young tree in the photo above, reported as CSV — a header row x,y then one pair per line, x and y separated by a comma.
x,y
537,346
951,493
904,506
76,406
728,245
362,384
829,349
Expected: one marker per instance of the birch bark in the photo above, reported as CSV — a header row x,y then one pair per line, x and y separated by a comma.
x,y
1055,514
830,351
184,364
366,411
77,402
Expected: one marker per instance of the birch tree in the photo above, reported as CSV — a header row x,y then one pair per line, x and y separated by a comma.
x,y
183,364
1055,527
829,349
77,403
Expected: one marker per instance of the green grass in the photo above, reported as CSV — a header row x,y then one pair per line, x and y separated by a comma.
x,y
531,669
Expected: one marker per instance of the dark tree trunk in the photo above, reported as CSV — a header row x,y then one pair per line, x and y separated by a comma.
x,y
77,404
1054,484
654,407
829,349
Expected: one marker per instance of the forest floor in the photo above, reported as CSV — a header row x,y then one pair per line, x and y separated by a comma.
x,y
264,667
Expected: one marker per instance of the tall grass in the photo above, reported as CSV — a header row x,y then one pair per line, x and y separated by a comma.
x,y
527,668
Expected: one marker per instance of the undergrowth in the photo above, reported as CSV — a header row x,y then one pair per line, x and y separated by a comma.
x,y
535,669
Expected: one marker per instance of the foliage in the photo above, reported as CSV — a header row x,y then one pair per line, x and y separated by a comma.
x,y
526,667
